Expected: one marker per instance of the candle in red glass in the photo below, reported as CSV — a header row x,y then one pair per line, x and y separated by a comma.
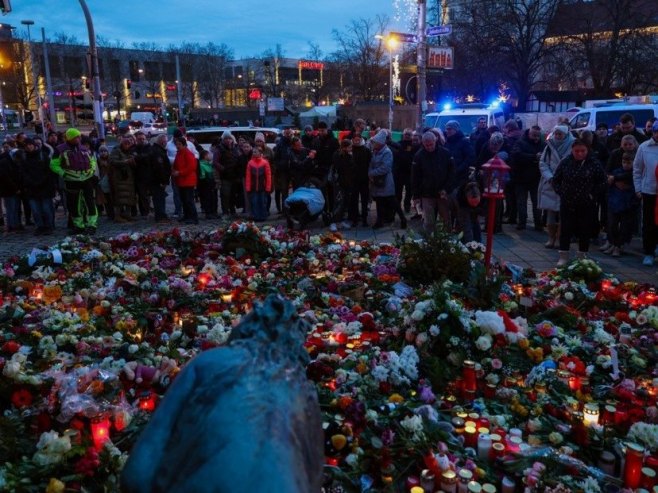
x,y
648,478
497,450
620,417
574,383
468,373
147,402
470,437
100,431
490,390
633,465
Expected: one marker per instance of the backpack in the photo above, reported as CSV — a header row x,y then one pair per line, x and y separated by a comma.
x,y
257,178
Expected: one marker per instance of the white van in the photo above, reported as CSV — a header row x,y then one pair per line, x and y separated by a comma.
x,y
610,113
205,136
467,115
143,116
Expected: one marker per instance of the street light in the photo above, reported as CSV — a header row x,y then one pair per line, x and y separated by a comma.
x,y
391,43
28,23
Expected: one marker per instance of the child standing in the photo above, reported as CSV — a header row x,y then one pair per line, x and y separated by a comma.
x,y
622,205
206,186
258,184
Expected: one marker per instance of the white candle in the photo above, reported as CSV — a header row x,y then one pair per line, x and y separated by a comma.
x,y
484,446
507,485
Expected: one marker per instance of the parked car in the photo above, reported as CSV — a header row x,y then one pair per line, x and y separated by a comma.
x,y
467,115
205,135
153,129
610,113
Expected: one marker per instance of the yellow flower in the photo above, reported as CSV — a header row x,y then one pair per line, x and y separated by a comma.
x,y
396,399
55,486
524,343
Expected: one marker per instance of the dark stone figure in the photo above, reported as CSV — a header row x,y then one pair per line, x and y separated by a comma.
x,y
242,417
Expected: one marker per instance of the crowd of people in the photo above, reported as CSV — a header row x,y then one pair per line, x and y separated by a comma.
x,y
581,186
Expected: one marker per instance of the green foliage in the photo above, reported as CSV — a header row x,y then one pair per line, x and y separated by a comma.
x,y
437,257
480,291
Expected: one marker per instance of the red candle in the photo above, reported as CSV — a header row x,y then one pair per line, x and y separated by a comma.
x,y
648,478
574,383
490,390
633,465
468,373
470,437
497,450
100,431
147,402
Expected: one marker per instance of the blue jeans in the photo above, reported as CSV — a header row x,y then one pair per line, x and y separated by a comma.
x,y
159,197
178,204
12,208
43,213
258,202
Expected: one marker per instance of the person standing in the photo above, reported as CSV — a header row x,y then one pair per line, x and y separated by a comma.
x,y
103,162
77,166
143,173
122,180
185,176
39,184
161,177
403,156
258,184
381,181
644,180
524,161
432,180
226,160
362,155
325,146
557,148
281,169
577,180
206,186
622,205
342,177
172,151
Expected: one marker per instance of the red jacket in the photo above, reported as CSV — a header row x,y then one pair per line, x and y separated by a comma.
x,y
186,165
253,172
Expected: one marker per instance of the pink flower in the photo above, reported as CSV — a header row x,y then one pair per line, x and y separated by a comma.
x,y
496,364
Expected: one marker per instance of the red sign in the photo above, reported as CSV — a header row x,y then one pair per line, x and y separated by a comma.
x,y
171,87
311,65
441,57
254,94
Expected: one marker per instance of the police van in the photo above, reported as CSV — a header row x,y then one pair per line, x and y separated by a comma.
x,y
610,113
467,115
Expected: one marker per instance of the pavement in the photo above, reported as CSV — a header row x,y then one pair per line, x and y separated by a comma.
x,y
523,248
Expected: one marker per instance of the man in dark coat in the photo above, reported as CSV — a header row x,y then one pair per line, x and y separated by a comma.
x,y
143,172
461,150
432,180
403,155
626,127
160,177
325,145
524,161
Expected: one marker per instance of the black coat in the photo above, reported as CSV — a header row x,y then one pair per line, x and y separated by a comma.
x,y
10,180
579,183
161,167
38,180
524,161
432,172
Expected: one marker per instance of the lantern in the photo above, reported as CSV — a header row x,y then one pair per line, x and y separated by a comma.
x,y
147,401
100,431
468,374
494,176
633,465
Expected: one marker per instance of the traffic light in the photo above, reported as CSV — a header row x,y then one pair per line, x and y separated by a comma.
x,y
5,6
129,83
87,84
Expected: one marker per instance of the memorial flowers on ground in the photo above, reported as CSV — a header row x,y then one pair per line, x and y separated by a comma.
x,y
520,380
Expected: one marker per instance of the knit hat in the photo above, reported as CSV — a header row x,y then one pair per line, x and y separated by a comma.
x,y
654,127
28,141
71,134
453,124
561,128
103,149
259,136
227,135
496,138
380,138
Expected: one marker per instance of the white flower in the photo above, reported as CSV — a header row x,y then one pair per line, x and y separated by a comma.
x,y
414,425
483,342
435,330
534,425
568,296
12,369
51,448
133,348
490,322
645,434
417,315
589,485
421,339
380,373
555,438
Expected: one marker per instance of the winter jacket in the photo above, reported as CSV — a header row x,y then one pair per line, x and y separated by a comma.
x,y
621,193
73,163
547,199
644,167
381,173
37,179
403,156
161,166
122,177
463,154
524,161
342,169
578,183
206,171
258,177
301,166
186,165
144,163
432,172
227,162
362,156
614,141
10,179
325,146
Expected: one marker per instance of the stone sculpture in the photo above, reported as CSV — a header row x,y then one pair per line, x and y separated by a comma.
x,y
242,417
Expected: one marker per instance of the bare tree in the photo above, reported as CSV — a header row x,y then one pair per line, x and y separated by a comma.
x,y
609,39
271,64
513,32
211,72
363,56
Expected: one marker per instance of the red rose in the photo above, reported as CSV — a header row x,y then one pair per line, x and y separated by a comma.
x,y
21,398
10,347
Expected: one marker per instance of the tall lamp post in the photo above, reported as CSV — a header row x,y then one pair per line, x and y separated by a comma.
x,y
391,43
95,75
494,175
28,23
